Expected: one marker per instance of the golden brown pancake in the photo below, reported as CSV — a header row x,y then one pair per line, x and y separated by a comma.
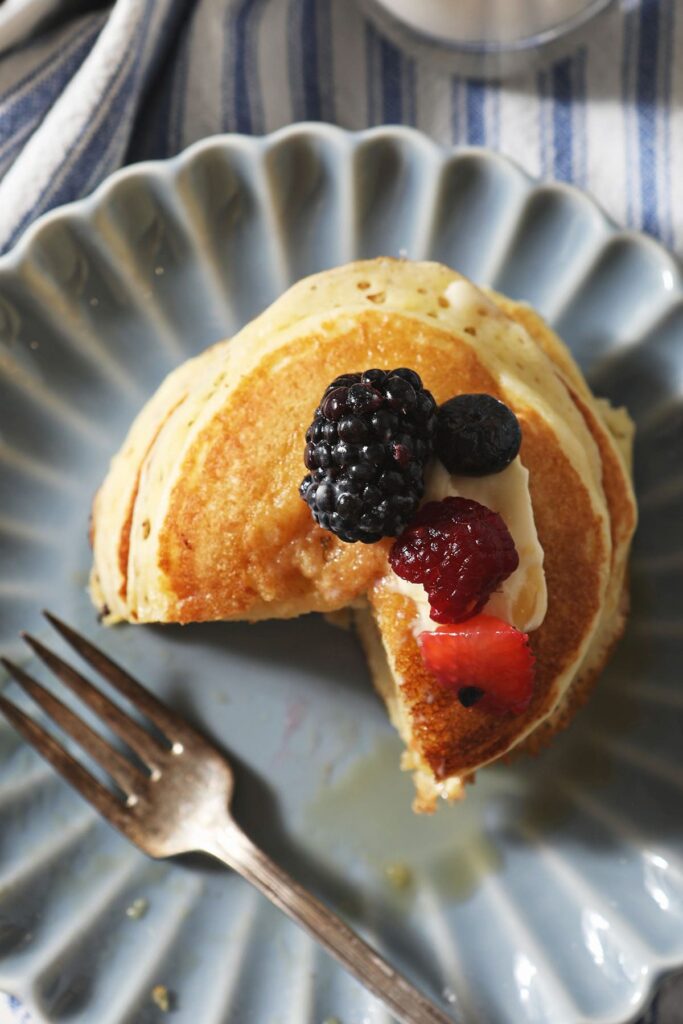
x,y
200,516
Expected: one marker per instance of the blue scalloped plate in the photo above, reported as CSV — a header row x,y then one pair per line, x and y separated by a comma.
x,y
554,894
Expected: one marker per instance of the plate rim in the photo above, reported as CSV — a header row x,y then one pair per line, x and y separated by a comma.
x,y
331,133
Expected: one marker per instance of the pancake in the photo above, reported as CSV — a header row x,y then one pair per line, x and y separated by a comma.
x,y
200,517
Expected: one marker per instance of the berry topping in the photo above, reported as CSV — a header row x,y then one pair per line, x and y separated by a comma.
x,y
488,661
477,435
366,452
460,551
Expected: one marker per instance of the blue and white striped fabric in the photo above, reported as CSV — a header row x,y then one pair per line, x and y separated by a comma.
x,y
82,93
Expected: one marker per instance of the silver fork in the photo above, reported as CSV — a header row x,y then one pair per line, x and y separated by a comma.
x,y
181,803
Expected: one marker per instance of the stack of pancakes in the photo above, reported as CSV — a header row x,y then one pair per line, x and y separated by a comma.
x,y
200,516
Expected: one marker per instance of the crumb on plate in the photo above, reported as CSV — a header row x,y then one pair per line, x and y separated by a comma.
x,y
398,875
137,909
162,997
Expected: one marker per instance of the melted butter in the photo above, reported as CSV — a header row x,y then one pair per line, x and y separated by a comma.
x,y
468,302
523,597
365,813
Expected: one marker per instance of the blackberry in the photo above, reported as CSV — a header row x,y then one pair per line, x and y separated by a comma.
x,y
366,452
477,435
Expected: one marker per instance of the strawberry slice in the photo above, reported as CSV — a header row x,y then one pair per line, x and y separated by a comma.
x,y
488,661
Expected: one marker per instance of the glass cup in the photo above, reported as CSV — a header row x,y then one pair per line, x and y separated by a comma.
x,y
484,36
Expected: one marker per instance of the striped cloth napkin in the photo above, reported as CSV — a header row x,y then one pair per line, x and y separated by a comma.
x,y
86,87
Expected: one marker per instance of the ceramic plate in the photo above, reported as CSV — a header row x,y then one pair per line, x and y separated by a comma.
x,y
554,893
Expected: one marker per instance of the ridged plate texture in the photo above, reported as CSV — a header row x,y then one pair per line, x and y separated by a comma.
x,y
554,894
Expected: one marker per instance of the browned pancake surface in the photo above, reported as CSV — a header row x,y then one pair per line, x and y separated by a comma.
x,y
237,532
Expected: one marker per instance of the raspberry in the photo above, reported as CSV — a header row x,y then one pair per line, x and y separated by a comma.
x,y
460,551
488,661
366,452
477,435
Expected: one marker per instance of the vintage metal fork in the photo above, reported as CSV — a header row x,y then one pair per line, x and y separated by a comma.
x,y
181,802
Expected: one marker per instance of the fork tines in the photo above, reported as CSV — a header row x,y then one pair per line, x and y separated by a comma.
x,y
128,776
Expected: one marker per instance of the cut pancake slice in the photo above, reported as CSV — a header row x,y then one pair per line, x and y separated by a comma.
x,y
447,743
200,517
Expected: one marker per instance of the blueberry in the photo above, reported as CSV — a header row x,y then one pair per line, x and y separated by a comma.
x,y
477,435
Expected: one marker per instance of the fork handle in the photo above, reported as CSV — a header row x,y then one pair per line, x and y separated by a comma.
x,y
407,1004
